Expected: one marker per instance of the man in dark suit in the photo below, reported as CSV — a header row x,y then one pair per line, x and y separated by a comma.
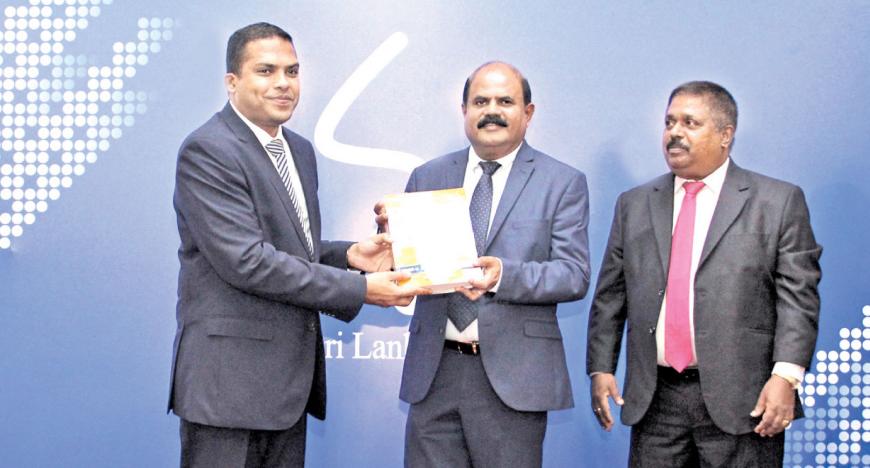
x,y
248,360
485,364
713,270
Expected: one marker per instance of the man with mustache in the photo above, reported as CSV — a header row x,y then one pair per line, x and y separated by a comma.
x,y
713,271
486,363
248,359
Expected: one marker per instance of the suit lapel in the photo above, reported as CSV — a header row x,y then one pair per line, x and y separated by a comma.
x,y
522,169
735,193
263,162
454,176
309,188
661,204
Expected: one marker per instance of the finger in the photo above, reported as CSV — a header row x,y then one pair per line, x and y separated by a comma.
x,y
759,406
382,238
404,301
397,275
769,422
471,294
614,393
379,207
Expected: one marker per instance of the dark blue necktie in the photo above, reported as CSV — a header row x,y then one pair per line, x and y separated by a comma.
x,y
460,310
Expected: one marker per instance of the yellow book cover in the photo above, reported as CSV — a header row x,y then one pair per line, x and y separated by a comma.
x,y
432,238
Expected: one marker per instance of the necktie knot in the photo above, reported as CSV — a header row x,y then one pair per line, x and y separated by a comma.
x,y
489,167
692,188
275,147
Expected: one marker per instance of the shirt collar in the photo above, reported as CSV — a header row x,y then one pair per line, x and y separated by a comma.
x,y
714,181
506,161
263,137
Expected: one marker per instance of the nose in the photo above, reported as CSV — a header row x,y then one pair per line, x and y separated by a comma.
x,y
281,80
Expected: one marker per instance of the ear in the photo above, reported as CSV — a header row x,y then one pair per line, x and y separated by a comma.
x,y
529,111
727,136
230,80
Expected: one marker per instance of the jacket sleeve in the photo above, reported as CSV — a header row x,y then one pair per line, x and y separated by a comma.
x,y
608,313
796,280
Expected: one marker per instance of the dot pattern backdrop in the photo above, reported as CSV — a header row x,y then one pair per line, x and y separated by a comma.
x,y
836,397
59,111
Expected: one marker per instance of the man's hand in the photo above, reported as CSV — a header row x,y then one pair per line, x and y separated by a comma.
x,y
604,386
491,274
775,406
381,217
372,254
382,290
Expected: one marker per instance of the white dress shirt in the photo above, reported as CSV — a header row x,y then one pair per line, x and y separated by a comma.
x,y
705,205
264,138
473,171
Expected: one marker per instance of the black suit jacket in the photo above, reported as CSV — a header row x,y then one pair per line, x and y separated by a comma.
x,y
756,293
248,352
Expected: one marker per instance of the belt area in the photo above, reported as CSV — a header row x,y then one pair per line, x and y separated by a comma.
x,y
671,375
472,348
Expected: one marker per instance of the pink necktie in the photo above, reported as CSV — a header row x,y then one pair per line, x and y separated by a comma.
x,y
678,336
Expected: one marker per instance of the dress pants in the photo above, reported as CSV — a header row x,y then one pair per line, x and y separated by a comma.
x,y
205,446
463,423
677,431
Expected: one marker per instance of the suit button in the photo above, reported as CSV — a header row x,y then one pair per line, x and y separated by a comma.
x,y
441,330
312,326
651,330
661,292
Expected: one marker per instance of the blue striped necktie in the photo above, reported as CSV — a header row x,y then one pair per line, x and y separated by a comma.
x,y
276,150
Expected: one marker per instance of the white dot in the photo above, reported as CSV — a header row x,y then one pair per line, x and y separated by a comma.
x,y
17,230
4,243
41,206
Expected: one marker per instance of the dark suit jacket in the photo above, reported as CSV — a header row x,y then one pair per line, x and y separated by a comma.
x,y
539,232
756,293
248,351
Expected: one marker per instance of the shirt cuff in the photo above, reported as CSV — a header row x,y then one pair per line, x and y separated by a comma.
x,y
787,369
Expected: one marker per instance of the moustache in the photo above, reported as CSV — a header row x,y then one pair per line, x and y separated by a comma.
x,y
491,119
677,143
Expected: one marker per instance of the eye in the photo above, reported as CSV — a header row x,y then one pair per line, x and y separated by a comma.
x,y
669,123
692,123
293,72
506,101
479,101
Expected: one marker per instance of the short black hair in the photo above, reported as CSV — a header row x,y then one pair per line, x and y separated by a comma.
x,y
722,102
241,38
527,90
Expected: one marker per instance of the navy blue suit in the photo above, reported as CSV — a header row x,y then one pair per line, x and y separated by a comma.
x,y
248,352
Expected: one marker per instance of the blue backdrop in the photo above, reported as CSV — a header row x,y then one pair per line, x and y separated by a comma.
x,y
96,96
